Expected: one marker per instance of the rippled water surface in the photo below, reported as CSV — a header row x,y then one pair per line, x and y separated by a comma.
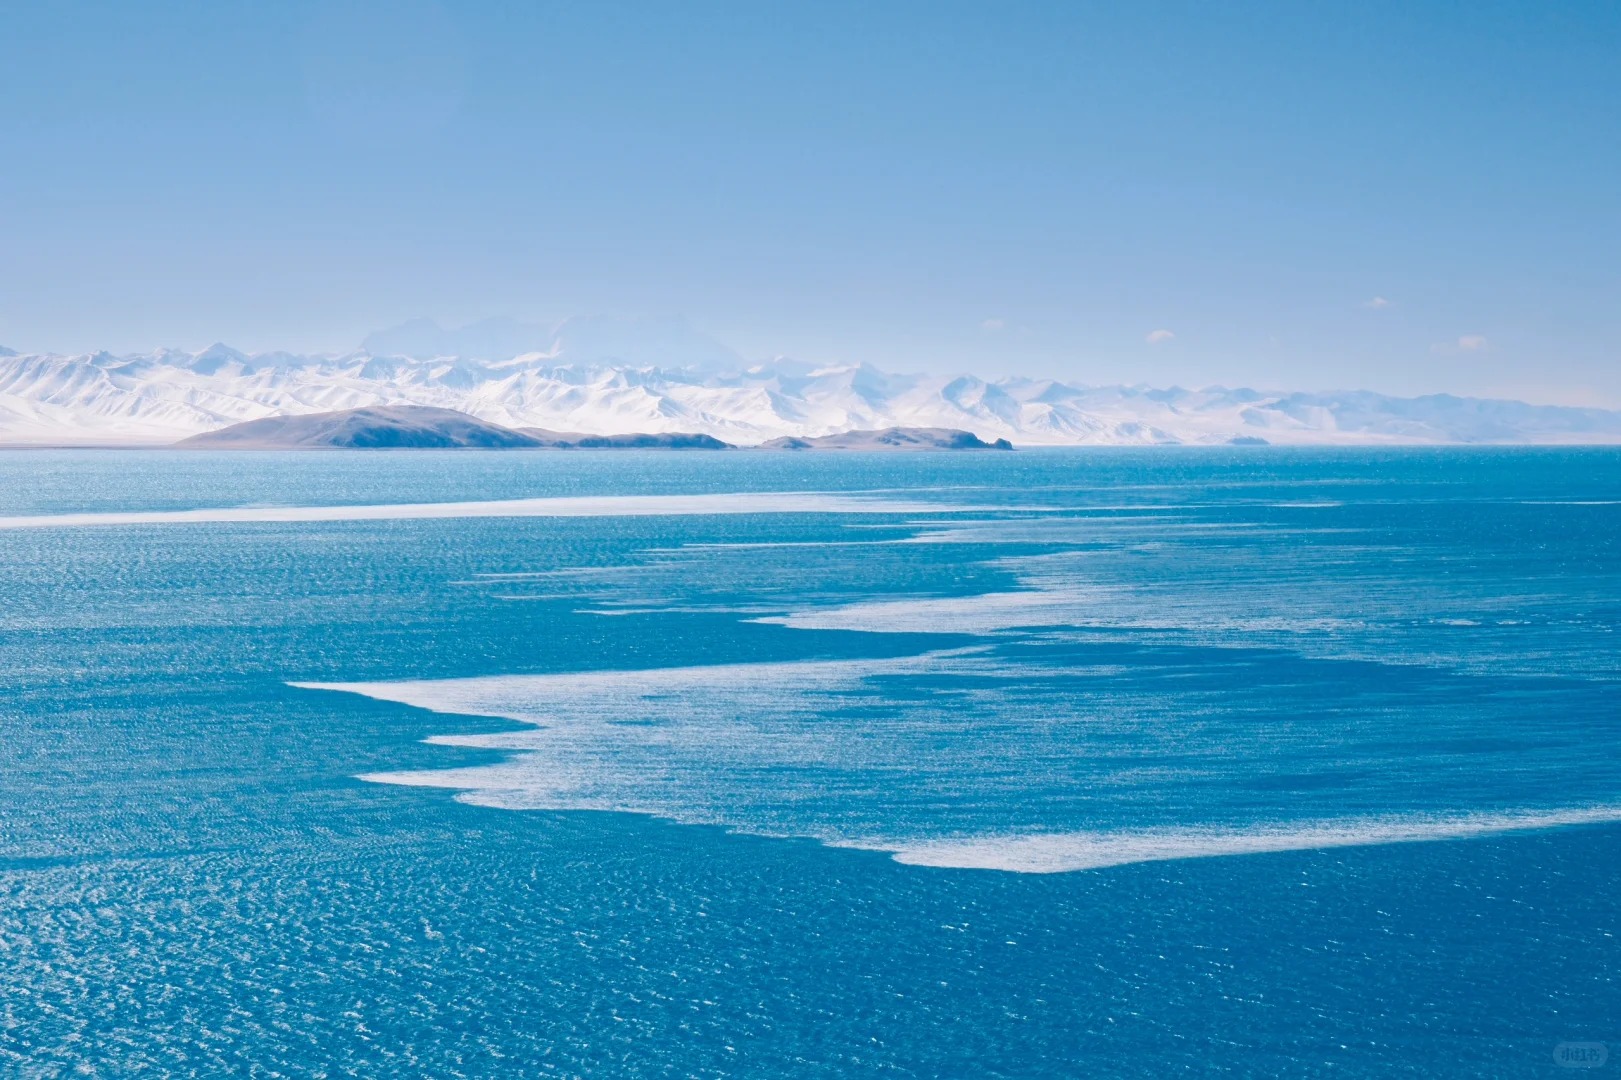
x,y
1244,762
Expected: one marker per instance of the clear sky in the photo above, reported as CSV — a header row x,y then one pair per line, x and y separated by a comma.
x,y
1400,196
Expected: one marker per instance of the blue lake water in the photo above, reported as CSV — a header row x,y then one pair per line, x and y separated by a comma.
x,y
1108,762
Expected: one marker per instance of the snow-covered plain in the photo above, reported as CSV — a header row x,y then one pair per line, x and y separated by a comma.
x,y
162,396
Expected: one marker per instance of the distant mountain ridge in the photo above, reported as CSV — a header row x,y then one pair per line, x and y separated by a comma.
x,y
630,440
423,427
583,383
895,438
381,427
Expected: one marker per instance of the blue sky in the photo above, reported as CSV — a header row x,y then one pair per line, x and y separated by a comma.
x,y
1406,197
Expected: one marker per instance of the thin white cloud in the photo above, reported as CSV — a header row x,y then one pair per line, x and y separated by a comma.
x,y
993,325
1157,337
1466,343
1377,303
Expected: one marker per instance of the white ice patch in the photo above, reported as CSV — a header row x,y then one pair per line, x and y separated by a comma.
x,y
961,759
1057,853
984,613
761,502
755,746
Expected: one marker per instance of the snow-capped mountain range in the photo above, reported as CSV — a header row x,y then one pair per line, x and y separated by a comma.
x,y
608,376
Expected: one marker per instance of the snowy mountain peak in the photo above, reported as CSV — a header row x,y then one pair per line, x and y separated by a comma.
x,y
216,358
221,351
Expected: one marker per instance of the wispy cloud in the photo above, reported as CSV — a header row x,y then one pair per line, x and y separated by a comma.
x,y
1159,337
1466,343
1377,303
993,325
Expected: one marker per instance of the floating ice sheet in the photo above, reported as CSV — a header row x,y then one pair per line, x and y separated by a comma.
x,y
764,502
